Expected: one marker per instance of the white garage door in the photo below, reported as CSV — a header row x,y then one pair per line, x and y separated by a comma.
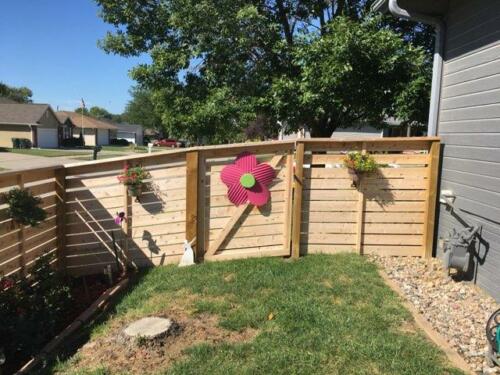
x,y
47,138
130,137
103,137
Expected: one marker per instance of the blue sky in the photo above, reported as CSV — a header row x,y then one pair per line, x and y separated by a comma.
x,y
50,46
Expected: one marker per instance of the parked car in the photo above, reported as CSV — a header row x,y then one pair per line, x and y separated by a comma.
x,y
167,143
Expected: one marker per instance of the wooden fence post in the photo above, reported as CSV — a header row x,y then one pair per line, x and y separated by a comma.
x,y
297,198
432,188
360,210
127,226
201,233
60,179
20,234
192,201
287,230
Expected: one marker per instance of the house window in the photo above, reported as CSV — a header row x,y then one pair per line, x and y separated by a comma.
x,y
66,132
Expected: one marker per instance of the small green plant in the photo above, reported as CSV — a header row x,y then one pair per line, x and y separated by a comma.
x,y
32,311
360,162
24,207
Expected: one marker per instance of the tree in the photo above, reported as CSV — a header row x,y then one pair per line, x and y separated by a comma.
x,y
141,109
18,94
355,74
85,111
99,113
217,65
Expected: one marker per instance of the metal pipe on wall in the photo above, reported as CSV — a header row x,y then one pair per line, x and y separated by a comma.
x,y
437,70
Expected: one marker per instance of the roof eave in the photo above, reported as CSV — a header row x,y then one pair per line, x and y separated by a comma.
x,y
18,123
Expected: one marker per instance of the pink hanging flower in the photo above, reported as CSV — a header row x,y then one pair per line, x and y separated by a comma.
x,y
119,218
247,180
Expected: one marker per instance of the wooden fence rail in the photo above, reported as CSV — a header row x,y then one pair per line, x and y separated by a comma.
x,y
313,207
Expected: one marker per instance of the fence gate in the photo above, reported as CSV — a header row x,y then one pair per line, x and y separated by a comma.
x,y
231,231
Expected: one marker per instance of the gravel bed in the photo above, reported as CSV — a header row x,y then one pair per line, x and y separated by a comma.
x,y
457,310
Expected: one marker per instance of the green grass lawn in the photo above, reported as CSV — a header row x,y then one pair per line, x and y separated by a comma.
x,y
318,315
125,148
44,152
130,148
100,156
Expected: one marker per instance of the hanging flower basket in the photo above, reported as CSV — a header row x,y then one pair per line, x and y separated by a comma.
x,y
133,178
134,190
247,180
357,164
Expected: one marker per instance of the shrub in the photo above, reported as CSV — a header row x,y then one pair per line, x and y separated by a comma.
x,y
72,142
16,142
360,162
32,311
21,143
25,143
24,207
119,142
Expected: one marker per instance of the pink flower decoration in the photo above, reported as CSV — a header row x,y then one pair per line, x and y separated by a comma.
x,y
119,218
247,180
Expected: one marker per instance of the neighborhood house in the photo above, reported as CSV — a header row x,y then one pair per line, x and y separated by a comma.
x,y
130,132
465,113
44,128
95,132
35,122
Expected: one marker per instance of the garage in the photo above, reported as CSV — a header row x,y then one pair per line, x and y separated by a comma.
x,y
47,138
102,137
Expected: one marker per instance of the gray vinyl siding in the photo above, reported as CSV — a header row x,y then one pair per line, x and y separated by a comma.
x,y
469,127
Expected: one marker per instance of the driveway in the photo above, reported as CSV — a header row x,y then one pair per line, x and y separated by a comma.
x,y
10,160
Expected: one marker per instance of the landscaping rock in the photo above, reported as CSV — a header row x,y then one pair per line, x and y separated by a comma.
x,y
457,310
149,328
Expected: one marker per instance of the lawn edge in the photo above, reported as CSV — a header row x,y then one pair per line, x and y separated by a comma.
x,y
455,359
101,304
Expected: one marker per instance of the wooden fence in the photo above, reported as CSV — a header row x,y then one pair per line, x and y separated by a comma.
x,y
313,207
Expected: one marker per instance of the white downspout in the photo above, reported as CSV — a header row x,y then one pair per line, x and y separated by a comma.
x,y
437,70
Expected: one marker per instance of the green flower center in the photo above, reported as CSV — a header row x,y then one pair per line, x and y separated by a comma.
x,y
247,180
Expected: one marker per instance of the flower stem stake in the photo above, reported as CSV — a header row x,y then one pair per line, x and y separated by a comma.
x,y
247,180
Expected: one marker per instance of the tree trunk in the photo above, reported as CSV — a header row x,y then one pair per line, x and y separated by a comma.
x,y
284,22
322,128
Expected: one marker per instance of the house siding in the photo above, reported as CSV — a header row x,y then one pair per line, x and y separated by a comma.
x,y
362,132
49,120
89,136
7,132
469,127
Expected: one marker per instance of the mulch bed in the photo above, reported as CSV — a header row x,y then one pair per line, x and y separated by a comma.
x,y
457,310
